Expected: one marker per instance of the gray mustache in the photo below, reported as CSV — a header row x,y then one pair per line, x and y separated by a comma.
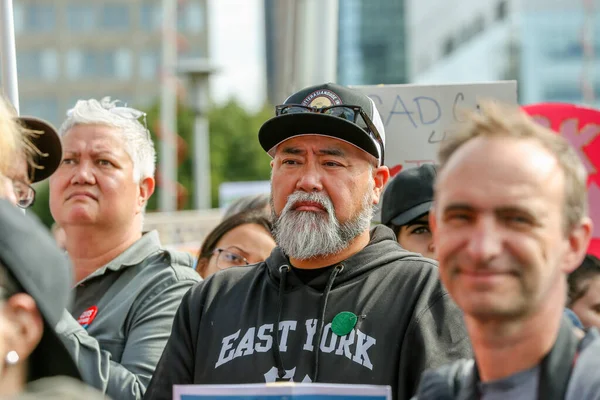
x,y
319,198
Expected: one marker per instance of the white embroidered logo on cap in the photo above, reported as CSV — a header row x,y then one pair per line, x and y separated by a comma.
x,y
322,98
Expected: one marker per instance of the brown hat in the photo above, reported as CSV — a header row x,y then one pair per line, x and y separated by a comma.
x,y
46,140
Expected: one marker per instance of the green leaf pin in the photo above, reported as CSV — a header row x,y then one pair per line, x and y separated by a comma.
x,y
343,323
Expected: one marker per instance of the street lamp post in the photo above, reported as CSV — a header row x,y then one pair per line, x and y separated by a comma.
x,y
8,54
168,109
198,71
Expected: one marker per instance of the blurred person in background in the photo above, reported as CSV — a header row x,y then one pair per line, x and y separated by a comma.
x,y
242,239
38,155
510,221
11,145
258,202
128,287
405,207
35,282
43,144
584,292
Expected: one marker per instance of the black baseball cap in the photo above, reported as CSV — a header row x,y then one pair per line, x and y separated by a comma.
x,y
283,127
46,140
45,274
409,195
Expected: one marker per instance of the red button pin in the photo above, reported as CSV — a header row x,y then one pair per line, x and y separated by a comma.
x,y
86,318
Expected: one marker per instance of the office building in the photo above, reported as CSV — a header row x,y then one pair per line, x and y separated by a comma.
x,y
72,49
551,47
459,40
372,42
301,44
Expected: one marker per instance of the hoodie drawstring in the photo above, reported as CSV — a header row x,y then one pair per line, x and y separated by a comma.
x,y
324,297
283,270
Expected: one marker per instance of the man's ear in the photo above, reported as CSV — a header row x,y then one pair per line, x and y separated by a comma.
x,y
578,242
27,325
381,175
147,187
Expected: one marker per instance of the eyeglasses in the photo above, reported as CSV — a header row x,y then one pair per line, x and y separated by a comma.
x,y
226,259
350,113
24,193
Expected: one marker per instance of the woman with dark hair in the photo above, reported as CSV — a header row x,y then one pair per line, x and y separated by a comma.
x,y
584,292
240,240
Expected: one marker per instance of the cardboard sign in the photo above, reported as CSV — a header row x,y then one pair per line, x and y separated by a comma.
x,y
581,126
418,117
231,191
281,391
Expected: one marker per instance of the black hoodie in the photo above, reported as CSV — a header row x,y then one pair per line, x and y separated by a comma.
x,y
223,331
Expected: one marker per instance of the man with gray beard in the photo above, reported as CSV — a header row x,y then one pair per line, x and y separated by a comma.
x,y
317,234
335,302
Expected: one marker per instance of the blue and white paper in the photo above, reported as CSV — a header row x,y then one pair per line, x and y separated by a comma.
x,y
281,391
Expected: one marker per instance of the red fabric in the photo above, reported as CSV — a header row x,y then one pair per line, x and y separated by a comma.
x,y
581,126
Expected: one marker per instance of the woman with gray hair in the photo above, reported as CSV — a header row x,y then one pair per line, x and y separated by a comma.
x,y
128,286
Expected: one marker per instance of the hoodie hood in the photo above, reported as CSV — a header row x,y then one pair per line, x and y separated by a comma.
x,y
378,252
381,250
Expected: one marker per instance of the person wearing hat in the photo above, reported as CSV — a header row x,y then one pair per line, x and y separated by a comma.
x,y
34,291
39,156
335,302
405,208
48,150
10,145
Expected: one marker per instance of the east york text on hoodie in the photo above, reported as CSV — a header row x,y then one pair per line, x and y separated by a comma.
x,y
224,331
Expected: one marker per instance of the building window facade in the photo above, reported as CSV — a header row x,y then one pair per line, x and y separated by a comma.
x,y
36,17
115,16
38,64
112,63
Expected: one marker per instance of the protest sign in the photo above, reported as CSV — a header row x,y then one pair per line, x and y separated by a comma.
x,y
418,117
280,391
231,191
581,127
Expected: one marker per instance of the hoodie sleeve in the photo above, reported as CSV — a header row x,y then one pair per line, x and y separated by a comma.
x,y
176,365
437,336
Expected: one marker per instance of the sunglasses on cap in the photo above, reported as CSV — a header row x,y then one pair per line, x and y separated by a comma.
x,y
354,114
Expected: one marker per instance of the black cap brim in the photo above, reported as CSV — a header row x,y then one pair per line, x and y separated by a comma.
x,y
48,143
412,214
51,358
284,127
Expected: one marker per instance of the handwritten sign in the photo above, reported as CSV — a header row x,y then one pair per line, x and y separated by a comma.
x,y
231,191
418,117
581,126
282,391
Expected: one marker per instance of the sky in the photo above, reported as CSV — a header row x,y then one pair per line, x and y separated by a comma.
x,y
237,48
